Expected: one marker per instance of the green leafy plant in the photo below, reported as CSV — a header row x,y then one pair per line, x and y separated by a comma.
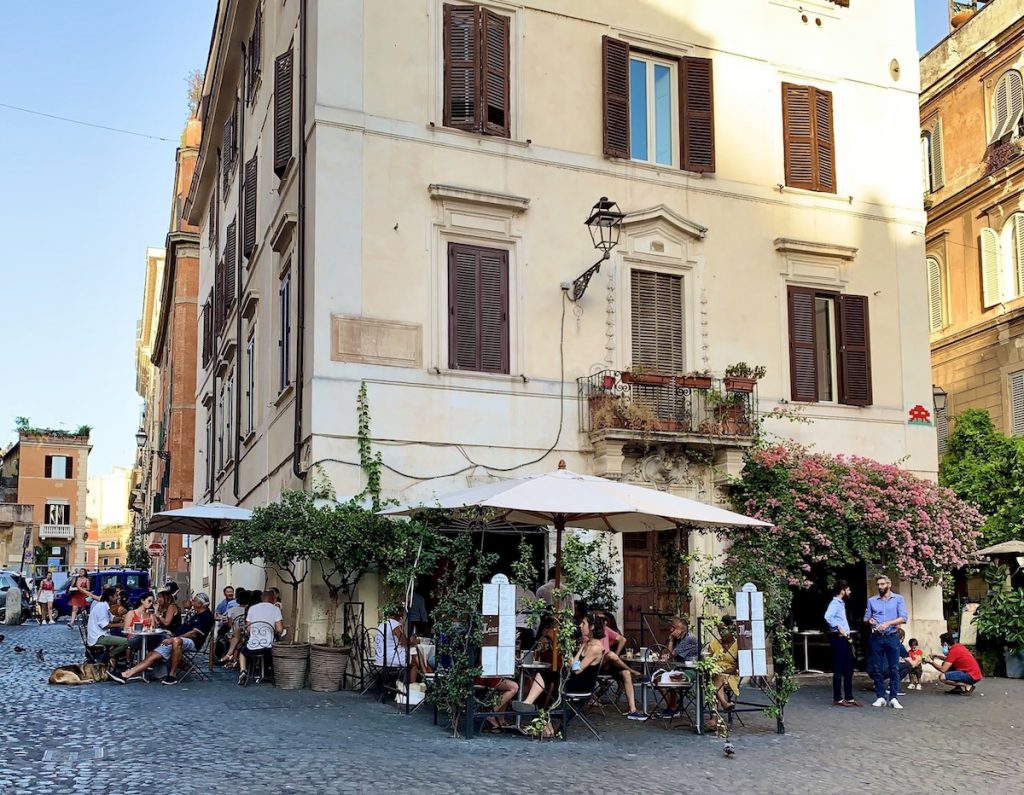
x,y
589,569
1000,618
138,556
744,370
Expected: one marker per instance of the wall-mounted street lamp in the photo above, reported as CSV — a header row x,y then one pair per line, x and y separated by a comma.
x,y
141,438
605,225
939,398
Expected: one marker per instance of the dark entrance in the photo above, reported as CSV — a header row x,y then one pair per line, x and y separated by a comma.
x,y
809,614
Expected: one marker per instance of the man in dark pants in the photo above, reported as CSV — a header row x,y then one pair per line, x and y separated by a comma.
x,y
884,614
842,648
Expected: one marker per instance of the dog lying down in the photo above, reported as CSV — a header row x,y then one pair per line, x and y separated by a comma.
x,y
85,674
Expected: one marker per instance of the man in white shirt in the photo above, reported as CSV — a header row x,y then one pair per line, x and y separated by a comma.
x,y
264,623
100,621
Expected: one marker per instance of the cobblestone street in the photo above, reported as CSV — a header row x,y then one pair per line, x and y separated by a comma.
x,y
201,737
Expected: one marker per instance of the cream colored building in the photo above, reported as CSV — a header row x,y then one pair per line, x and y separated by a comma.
x,y
418,203
106,504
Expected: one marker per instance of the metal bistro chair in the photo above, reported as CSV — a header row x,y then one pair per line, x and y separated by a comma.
x,y
93,654
191,662
382,676
576,701
257,646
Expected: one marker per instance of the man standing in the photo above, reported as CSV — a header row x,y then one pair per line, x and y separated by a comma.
x,y
842,648
884,614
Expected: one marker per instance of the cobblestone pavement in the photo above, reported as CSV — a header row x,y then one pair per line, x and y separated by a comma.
x,y
213,737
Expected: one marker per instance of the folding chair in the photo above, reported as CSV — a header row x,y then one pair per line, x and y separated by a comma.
x,y
191,662
93,654
576,700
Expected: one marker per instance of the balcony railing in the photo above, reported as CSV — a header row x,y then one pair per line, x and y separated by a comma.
x,y
652,403
64,531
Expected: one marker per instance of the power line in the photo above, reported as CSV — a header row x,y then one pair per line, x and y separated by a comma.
x,y
85,123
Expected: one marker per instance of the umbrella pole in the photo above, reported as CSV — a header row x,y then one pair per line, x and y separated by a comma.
x,y
211,641
559,527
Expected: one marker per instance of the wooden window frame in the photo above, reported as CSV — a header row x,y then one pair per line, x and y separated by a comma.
x,y
635,269
503,302
819,147
480,123
284,329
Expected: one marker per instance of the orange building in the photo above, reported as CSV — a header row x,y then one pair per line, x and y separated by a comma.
x,y
51,468
972,140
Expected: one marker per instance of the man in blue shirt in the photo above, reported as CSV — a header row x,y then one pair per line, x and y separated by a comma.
x,y
842,650
884,614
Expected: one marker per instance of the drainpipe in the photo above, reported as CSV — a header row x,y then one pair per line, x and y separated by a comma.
x,y
212,465
239,249
300,315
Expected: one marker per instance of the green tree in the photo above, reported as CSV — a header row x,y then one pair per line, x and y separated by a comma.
x,y
588,571
986,468
138,555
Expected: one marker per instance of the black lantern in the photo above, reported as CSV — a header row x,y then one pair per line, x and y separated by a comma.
x,y
939,398
141,438
605,225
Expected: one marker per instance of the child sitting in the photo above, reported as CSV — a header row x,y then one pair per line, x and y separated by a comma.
x,y
914,656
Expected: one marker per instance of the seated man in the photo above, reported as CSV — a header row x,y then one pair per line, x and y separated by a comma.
x,y
390,643
682,647
264,623
100,622
506,690
188,638
956,666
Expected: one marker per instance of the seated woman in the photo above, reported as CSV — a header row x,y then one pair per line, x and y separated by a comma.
x,y
142,615
594,626
725,652
236,616
167,615
506,690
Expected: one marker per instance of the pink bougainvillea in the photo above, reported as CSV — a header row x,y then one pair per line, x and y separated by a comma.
x,y
837,510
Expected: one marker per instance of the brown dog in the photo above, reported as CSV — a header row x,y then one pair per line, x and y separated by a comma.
x,y
85,674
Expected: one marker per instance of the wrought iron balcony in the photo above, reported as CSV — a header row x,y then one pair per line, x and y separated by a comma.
x,y
702,408
59,531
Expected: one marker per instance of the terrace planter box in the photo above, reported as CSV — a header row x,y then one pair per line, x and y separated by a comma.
x,y
694,381
736,384
647,379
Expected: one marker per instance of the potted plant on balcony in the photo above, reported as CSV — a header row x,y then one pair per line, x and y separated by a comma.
x,y
729,412
637,374
742,377
695,379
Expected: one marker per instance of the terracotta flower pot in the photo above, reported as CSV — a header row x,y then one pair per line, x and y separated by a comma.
x,y
735,383
694,381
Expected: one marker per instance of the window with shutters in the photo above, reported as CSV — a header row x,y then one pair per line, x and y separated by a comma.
x,y
935,313
478,328
283,122
1013,232
932,158
656,320
220,429
249,205
57,513
942,428
829,347
808,138
658,109
250,385
208,332
229,150
228,413
230,273
209,448
477,70
991,272
254,57
1008,107
58,467
284,332
1016,385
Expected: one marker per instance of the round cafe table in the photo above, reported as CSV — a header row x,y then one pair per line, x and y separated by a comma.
x,y
148,642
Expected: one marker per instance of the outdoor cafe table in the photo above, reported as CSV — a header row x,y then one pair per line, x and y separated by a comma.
x,y
643,665
148,636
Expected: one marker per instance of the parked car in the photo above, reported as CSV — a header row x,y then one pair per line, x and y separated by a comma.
x,y
12,579
134,582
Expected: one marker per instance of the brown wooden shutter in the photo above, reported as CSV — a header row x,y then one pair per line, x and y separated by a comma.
x,y
218,299
656,301
478,309
824,142
208,329
230,268
211,223
803,343
462,67
249,218
282,112
615,96
697,119
255,54
854,351
494,78
70,471
48,466
798,136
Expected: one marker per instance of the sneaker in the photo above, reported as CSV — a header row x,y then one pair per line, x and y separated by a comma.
x,y
668,714
523,708
115,676
637,716
169,680
895,704
918,685
243,679
901,693
878,702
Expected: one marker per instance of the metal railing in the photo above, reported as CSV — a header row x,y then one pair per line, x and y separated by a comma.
x,y
66,531
700,406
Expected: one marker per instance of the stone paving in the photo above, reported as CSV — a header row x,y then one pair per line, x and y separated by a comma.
x,y
213,737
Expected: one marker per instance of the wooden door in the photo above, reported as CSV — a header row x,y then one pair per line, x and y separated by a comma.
x,y
638,593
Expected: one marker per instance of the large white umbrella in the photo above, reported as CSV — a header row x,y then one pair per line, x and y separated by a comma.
x,y
568,499
212,519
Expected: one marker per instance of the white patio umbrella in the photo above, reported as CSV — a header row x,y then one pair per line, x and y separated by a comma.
x,y
567,499
212,519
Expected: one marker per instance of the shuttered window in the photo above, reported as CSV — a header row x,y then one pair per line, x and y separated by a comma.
x,y
808,138
255,56
1007,105
988,247
58,467
942,429
208,330
284,337
283,84
934,294
229,150
657,109
1016,223
477,92
1017,403
656,305
829,347
478,333
211,224
218,298
932,162
230,269
249,218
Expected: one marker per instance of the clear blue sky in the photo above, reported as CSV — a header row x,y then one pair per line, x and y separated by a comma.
x,y
79,205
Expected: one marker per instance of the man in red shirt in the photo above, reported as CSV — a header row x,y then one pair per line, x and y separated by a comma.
x,y
956,666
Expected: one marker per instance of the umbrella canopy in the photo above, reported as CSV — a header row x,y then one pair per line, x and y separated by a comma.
x,y
568,499
1005,548
212,519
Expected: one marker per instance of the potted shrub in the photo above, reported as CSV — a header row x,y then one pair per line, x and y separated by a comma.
x,y
604,412
1000,619
638,375
697,379
279,537
741,377
730,414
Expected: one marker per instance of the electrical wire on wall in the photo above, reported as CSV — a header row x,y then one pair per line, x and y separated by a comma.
x,y
475,464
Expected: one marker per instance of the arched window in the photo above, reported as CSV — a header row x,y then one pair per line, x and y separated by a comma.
x,y
934,294
1007,105
926,161
932,165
